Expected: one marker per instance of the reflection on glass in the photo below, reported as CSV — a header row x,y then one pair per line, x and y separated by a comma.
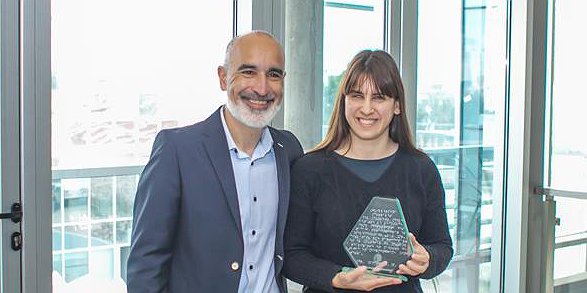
x,y
57,263
56,235
102,234
569,150
126,187
568,146
460,102
101,198
75,199
123,230
56,201
124,251
76,265
116,83
76,236
121,72
349,27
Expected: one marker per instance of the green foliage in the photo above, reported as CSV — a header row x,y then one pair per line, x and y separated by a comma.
x,y
329,95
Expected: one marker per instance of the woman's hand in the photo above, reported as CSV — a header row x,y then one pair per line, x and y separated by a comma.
x,y
360,279
418,263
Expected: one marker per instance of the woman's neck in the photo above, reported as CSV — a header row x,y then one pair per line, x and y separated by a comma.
x,y
356,148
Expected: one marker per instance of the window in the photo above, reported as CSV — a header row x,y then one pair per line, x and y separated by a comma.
x,y
567,158
349,27
121,71
460,102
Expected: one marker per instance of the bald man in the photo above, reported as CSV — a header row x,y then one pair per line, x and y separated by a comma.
x,y
211,203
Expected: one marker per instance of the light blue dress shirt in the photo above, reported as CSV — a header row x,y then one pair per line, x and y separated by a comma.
x,y
258,198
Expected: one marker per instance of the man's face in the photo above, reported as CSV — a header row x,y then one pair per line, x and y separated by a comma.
x,y
254,80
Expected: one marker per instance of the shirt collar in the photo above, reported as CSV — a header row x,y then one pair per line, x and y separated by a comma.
x,y
263,147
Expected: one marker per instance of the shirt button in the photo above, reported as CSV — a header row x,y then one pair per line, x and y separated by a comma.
x,y
255,199
234,266
254,232
250,267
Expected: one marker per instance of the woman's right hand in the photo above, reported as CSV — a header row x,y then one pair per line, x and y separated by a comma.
x,y
360,279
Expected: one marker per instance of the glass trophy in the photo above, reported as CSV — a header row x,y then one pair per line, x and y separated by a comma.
x,y
380,235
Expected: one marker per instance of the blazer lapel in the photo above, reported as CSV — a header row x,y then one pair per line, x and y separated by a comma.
x,y
217,149
282,162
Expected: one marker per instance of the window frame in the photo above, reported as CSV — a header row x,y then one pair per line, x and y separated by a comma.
x,y
10,176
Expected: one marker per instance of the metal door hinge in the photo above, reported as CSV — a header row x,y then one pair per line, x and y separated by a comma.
x,y
15,213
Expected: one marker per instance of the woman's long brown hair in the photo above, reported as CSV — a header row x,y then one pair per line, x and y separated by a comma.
x,y
379,68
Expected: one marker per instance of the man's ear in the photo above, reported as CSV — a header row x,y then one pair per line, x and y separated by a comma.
x,y
222,78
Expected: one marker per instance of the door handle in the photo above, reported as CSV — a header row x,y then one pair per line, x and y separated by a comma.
x,y
15,213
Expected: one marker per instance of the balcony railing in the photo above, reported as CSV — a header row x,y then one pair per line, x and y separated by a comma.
x,y
72,185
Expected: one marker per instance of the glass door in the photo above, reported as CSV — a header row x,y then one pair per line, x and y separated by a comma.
x,y
10,237
566,153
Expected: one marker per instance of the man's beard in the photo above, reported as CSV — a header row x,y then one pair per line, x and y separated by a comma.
x,y
251,117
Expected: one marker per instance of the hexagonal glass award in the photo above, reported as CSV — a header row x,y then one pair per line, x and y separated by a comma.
x,y
380,235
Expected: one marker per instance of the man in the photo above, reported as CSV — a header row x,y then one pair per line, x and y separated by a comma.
x,y
211,203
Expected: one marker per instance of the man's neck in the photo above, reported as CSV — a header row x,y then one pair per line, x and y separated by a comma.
x,y
246,138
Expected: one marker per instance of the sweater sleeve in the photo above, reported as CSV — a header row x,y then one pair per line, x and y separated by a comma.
x,y
300,263
434,234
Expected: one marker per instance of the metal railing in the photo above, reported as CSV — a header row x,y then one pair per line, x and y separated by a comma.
x,y
478,257
549,195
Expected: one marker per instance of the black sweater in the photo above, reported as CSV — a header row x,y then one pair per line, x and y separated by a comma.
x,y
327,199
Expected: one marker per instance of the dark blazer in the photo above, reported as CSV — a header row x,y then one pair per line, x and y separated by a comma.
x,y
186,234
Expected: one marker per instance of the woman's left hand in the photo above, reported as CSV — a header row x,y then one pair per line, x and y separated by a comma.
x,y
418,263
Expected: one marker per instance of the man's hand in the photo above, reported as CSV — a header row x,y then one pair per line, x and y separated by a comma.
x,y
418,263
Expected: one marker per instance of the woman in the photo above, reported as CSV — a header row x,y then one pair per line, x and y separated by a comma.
x,y
368,151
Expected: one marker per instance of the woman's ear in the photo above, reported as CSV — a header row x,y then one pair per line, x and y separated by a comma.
x,y
396,111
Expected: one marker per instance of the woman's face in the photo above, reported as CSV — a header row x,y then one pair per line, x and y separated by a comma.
x,y
369,112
